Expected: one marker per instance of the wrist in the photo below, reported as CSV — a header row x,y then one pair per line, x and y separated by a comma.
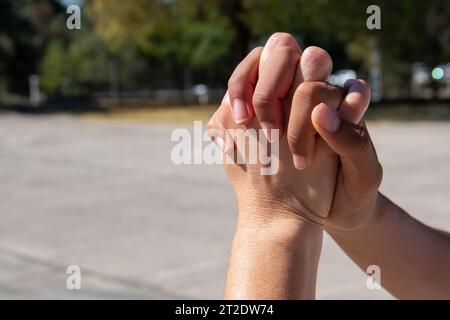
x,y
372,219
283,229
270,211
274,259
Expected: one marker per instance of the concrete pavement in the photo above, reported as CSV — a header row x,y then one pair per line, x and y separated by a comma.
x,y
105,196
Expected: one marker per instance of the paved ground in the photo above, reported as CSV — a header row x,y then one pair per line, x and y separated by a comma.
x,y
106,197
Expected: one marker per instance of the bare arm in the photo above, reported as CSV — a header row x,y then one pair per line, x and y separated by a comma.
x,y
414,259
274,260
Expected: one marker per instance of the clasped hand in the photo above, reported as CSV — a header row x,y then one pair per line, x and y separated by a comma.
x,y
327,161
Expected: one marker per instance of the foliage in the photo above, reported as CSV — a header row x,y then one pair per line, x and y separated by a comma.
x,y
156,43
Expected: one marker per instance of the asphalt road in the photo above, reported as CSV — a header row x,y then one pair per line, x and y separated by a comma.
x,y
106,197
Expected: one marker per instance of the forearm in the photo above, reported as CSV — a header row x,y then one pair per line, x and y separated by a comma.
x,y
275,259
414,259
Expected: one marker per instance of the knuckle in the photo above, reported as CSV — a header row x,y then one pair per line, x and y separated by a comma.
x,y
373,181
336,95
295,143
236,80
307,89
215,128
261,99
294,139
360,143
378,175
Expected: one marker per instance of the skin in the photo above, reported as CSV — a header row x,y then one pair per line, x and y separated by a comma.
x,y
299,208
328,180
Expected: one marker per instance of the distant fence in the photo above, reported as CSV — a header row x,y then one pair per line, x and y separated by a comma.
x,y
102,101
198,95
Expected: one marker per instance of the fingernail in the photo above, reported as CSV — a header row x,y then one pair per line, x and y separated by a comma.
x,y
329,120
299,162
240,112
267,130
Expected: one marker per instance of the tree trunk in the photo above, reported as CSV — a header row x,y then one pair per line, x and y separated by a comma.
x,y
241,30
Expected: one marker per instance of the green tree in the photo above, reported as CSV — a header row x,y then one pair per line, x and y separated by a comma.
x,y
177,35
26,28
54,68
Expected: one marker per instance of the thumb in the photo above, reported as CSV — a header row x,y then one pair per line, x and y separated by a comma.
x,y
352,143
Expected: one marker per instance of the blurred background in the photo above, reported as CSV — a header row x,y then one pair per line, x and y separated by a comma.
x,y
155,52
86,117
